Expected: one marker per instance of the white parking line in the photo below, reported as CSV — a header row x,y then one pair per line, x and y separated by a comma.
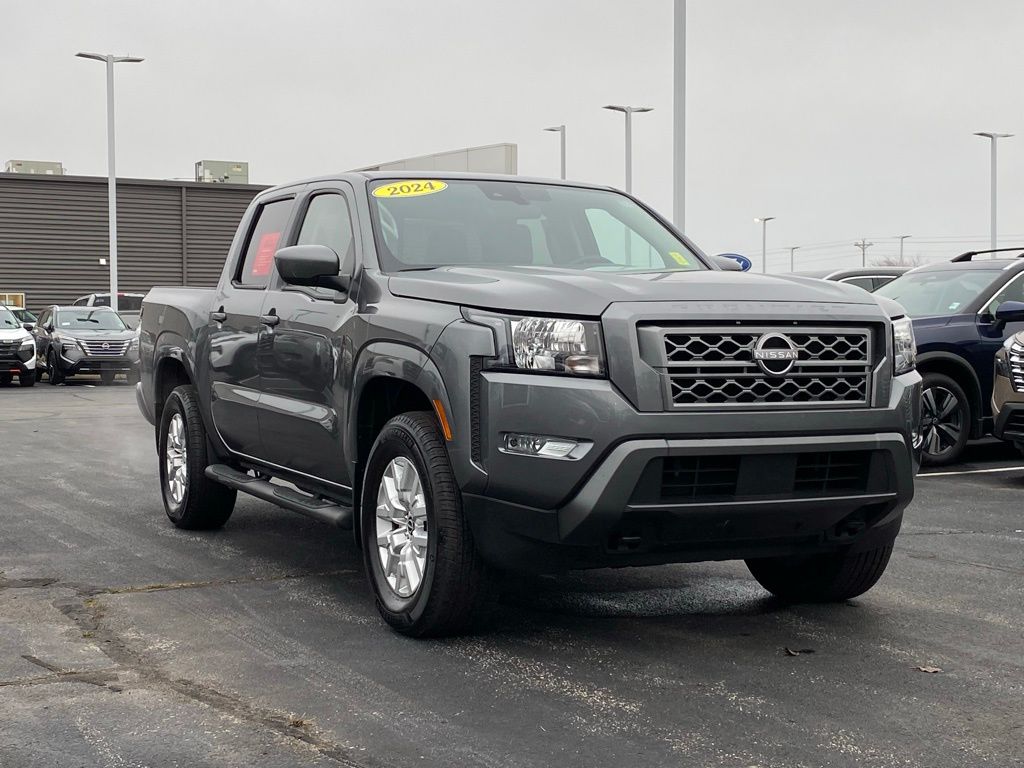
x,y
970,471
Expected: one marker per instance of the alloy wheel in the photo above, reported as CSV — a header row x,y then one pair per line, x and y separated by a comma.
x,y
176,459
402,535
942,421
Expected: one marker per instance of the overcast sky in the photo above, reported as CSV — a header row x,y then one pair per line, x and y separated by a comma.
x,y
842,118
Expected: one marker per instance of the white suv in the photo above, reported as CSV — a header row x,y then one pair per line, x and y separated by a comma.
x,y
17,351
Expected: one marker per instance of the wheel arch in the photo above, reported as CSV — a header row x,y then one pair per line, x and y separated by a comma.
x,y
958,369
391,378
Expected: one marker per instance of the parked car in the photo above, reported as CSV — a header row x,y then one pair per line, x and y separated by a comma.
x,y
129,305
963,311
25,317
476,373
868,278
1008,392
74,340
17,355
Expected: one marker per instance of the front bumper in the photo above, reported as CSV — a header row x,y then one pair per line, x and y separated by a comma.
x,y
611,508
20,363
86,365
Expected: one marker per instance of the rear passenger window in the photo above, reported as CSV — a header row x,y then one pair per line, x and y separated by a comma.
x,y
861,282
328,223
263,243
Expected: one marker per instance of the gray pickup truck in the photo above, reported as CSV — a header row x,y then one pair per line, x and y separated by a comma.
x,y
484,373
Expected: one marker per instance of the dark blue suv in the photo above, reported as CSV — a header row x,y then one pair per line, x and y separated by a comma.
x,y
963,311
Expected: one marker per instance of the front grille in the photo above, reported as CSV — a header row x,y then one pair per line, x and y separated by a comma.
x,y
95,348
1014,424
690,478
1016,358
9,350
717,366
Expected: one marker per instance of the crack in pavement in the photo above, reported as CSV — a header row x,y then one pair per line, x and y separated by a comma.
x,y
954,561
87,613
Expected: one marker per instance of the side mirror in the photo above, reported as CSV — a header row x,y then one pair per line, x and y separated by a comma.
x,y
28,326
726,264
316,266
48,327
1010,312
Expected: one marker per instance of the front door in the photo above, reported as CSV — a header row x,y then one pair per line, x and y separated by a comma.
x,y
234,328
302,353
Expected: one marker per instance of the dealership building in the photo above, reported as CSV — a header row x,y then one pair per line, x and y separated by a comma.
x,y
54,238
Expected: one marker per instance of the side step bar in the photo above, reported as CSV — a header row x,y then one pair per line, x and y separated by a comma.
x,y
289,498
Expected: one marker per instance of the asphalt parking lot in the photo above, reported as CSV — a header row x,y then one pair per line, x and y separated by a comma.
x,y
125,642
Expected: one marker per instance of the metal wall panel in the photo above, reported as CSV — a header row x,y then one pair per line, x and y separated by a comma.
x,y
53,233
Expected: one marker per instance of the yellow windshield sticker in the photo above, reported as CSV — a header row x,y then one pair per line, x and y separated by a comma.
x,y
410,188
678,258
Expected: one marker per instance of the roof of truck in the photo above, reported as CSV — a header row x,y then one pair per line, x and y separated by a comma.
x,y
367,176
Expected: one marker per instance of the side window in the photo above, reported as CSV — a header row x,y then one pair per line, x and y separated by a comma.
x,y
263,241
328,222
99,301
1012,291
867,283
81,302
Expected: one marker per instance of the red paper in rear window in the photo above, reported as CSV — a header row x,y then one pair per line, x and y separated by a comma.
x,y
265,254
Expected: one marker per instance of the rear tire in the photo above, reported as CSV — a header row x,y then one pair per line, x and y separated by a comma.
x,y
945,419
421,561
827,578
191,500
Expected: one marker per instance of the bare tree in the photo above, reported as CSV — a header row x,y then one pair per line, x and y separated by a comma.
x,y
896,261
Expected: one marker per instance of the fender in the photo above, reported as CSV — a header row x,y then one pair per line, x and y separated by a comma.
x,y
964,368
396,361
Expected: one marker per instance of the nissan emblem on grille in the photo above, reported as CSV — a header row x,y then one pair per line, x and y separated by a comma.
x,y
106,345
775,354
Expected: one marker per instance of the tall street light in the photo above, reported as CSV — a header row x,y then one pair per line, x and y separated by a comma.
x,y
763,221
110,60
993,137
628,112
902,238
863,244
560,129
792,249
679,115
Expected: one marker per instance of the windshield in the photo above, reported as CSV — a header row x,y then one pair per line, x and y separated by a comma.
x,y
426,223
24,315
931,294
125,303
89,319
8,320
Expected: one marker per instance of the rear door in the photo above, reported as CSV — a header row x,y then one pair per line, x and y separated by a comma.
x,y
302,355
235,327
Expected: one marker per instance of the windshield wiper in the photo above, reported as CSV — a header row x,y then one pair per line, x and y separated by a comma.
x,y
421,269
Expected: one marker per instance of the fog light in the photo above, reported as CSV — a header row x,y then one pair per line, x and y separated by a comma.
x,y
543,445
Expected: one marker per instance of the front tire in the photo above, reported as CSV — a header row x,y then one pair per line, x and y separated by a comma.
x,y
56,374
420,558
27,379
826,578
945,419
107,378
191,500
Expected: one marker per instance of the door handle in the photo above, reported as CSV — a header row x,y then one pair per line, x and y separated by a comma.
x,y
270,320
219,316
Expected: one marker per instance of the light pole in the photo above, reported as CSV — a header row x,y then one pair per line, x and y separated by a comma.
x,y
792,249
993,137
679,115
863,245
763,221
902,238
110,60
628,112
560,129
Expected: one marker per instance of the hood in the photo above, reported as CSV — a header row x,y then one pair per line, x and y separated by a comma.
x,y
588,293
88,333
14,334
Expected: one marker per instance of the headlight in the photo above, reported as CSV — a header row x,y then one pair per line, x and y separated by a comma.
x,y
135,343
551,344
28,343
903,345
